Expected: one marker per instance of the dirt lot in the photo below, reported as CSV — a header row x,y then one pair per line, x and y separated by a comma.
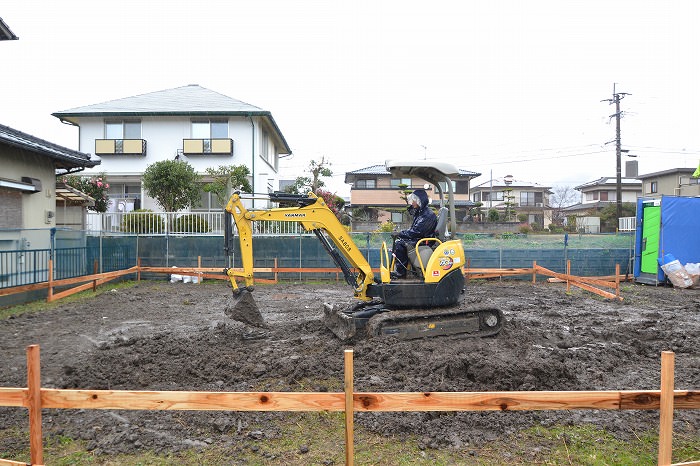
x,y
165,336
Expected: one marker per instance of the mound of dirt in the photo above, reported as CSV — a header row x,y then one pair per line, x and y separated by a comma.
x,y
175,336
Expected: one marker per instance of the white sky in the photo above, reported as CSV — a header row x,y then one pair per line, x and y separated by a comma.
x,y
502,87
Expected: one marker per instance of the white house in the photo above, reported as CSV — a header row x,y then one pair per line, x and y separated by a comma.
x,y
189,123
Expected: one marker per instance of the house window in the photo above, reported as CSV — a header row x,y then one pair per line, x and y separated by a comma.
x,y
366,184
651,187
443,187
267,147
462,187
209,129
487,195
124,191
593,196
208,202
603,195
396,182
396,217
531,198
122,129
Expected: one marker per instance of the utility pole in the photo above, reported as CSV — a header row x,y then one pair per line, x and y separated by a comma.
x,y
617,97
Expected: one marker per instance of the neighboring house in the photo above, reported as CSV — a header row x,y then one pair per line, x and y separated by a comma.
x,y
189,123
672,182
29,195
513,198
5,33
376,197
600,193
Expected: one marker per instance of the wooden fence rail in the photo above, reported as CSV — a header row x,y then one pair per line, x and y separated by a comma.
x,y
592,284
35,398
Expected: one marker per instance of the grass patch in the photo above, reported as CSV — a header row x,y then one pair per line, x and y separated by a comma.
x,y
319,439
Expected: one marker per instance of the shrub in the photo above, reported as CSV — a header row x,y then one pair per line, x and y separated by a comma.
x,y
142,221
386,227
190,224
525,229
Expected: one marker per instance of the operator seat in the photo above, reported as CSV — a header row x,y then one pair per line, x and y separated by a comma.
x,y
424,249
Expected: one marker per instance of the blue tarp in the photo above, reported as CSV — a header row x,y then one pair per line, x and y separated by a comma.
x,y
680,231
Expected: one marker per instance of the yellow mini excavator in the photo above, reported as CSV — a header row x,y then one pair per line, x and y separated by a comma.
x,y
426,303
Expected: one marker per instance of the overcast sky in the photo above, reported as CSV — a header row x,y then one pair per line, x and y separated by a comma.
x,y
496,87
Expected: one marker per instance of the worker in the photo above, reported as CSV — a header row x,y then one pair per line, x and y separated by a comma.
x,y
423,226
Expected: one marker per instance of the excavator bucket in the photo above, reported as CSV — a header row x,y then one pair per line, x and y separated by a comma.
x,y
338,322
242,307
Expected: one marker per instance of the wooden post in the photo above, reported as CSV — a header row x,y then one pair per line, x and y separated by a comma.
x,y
138,269
95,266
349,410
617,281
33,403
469,265
534,272
49,298
199,266
568,274
666,409
275,275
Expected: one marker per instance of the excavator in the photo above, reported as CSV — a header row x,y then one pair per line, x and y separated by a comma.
x,y
427,303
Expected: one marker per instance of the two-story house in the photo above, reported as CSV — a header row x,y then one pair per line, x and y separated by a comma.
x,y
514,199
377,197
190,123
671,182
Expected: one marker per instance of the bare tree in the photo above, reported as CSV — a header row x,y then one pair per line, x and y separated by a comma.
x,y
561,197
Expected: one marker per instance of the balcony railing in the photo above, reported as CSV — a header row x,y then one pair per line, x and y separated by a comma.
x,y
207,146
177,223
120,147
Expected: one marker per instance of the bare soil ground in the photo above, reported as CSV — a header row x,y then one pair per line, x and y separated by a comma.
x,y
162,336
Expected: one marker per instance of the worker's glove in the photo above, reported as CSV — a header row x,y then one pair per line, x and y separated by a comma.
x,y
395,234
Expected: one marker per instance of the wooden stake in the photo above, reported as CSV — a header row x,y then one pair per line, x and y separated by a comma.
x,y
94,272
666,409
138,269
199,266
349,410
568,274
33,403
534,272
617,280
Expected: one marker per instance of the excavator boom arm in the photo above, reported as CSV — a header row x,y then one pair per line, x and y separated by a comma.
x,y
314,215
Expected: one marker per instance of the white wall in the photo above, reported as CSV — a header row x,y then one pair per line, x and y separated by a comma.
x,y
164,137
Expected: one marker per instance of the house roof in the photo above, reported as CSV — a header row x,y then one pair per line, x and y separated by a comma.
x,y
670,171
5,33
485,186
70,195
190,100
351,176
610,181
587,206
67,160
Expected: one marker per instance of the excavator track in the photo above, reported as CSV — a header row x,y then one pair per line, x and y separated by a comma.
x,y
377,321
411,324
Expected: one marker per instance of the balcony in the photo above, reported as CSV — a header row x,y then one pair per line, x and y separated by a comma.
x,y
207,146
120,147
